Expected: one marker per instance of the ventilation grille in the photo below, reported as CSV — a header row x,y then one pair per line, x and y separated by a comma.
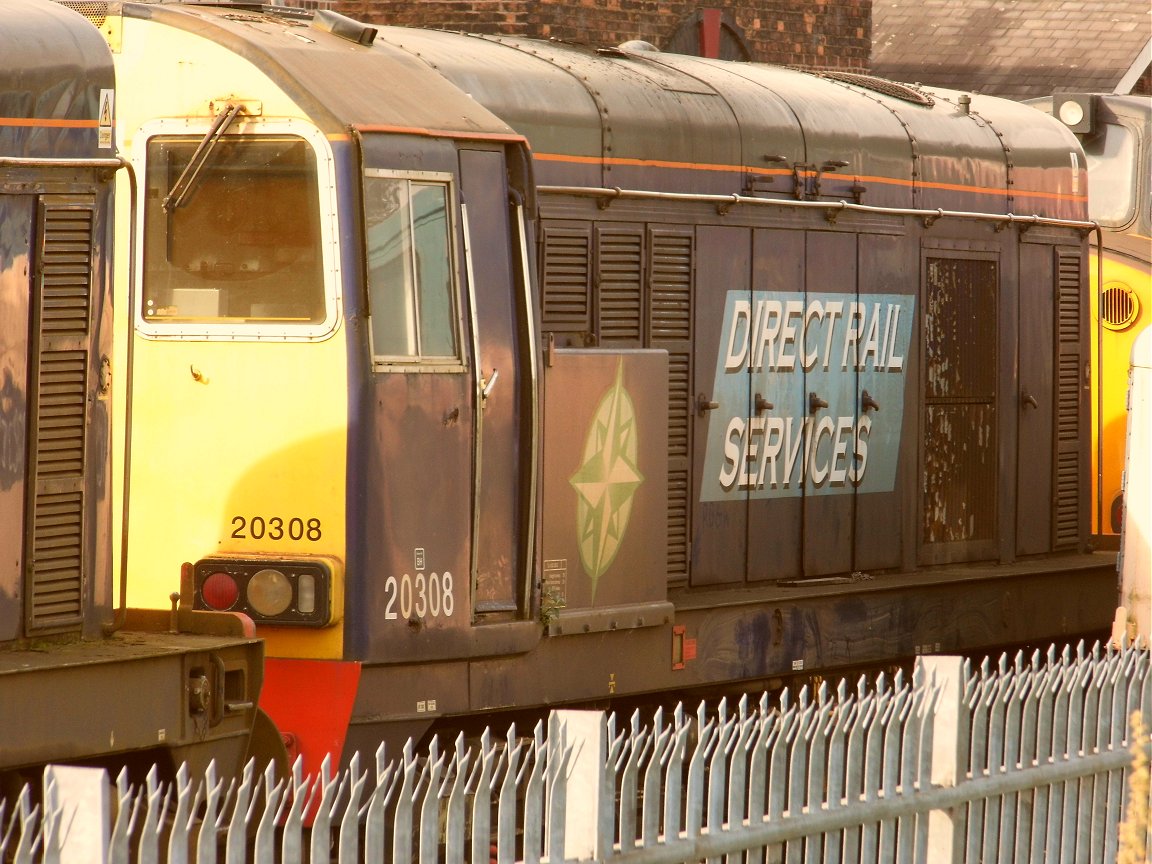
x,y
566,254
619,262
93,10
671,287
670,327
57,560
62,311
1068,387
877,85
1119,307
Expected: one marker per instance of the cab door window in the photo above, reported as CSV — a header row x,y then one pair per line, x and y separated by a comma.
x,y
410,268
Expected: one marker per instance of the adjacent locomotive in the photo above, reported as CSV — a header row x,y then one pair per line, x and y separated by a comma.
x,y
82,679
1116,133
491,374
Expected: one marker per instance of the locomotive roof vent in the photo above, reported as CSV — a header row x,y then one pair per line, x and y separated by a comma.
x,y
95,11
344,27
877,85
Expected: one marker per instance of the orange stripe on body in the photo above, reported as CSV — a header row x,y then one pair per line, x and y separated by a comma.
x,y
890,181
47,123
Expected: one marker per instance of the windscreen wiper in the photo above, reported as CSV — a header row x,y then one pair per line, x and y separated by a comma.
x,y
184,184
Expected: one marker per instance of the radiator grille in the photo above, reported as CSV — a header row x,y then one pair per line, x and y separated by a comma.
x,y
1069,361
670,327
619,275
566,282
62,310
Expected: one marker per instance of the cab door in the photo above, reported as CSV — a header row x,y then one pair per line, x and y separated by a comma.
x,y
417,422
500,448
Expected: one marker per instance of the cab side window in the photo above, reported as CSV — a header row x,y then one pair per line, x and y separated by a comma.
x,y
410,268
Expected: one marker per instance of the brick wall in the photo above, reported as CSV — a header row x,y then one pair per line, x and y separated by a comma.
x,y
832,34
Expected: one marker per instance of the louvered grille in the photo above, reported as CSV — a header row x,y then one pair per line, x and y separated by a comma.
x,y
679,384
1068,389
1118,307
671,287
57,558
62,314
619,263
60,413
566,272
66,272
670,327
1068,307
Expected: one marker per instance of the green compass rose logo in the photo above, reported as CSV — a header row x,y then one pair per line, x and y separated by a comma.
x,y
607,480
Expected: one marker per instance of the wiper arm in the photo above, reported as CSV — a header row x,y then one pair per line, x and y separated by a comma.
x,y
184,184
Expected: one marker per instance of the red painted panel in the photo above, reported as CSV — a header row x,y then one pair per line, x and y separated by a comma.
x,y
310,701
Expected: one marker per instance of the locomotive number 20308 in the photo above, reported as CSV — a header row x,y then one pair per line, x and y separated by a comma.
x,y
276,528
422,596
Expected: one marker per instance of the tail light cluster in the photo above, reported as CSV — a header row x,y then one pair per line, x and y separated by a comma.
x,y
293,593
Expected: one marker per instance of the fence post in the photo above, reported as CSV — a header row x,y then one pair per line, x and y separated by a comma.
x,y
584,735
79,796
949,752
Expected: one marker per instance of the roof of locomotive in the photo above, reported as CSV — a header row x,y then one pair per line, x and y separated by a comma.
x,y
53,67
339,83
613,117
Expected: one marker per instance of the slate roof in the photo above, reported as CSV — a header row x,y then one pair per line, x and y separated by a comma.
x,y
1015,48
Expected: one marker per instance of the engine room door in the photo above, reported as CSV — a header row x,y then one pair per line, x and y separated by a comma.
x,y
829,406
499,533
1035,407
720,406
959,447
779,407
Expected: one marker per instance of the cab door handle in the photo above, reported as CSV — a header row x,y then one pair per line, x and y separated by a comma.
x,y
486,386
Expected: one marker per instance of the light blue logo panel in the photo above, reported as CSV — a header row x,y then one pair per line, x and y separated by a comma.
x,y
787,347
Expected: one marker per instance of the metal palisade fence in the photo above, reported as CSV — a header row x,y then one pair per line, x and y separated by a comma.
x,y
1034,760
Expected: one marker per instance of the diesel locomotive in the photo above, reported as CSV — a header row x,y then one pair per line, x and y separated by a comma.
x,y
83,679
488,374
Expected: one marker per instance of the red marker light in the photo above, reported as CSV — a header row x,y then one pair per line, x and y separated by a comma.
x,y
219,591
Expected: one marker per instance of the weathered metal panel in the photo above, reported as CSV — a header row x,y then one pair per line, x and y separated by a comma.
x,y
1035,405
418,428
883,519
15,299
134,691
832,408
503,444
721,400
604,484
316,69
774,522
961,429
